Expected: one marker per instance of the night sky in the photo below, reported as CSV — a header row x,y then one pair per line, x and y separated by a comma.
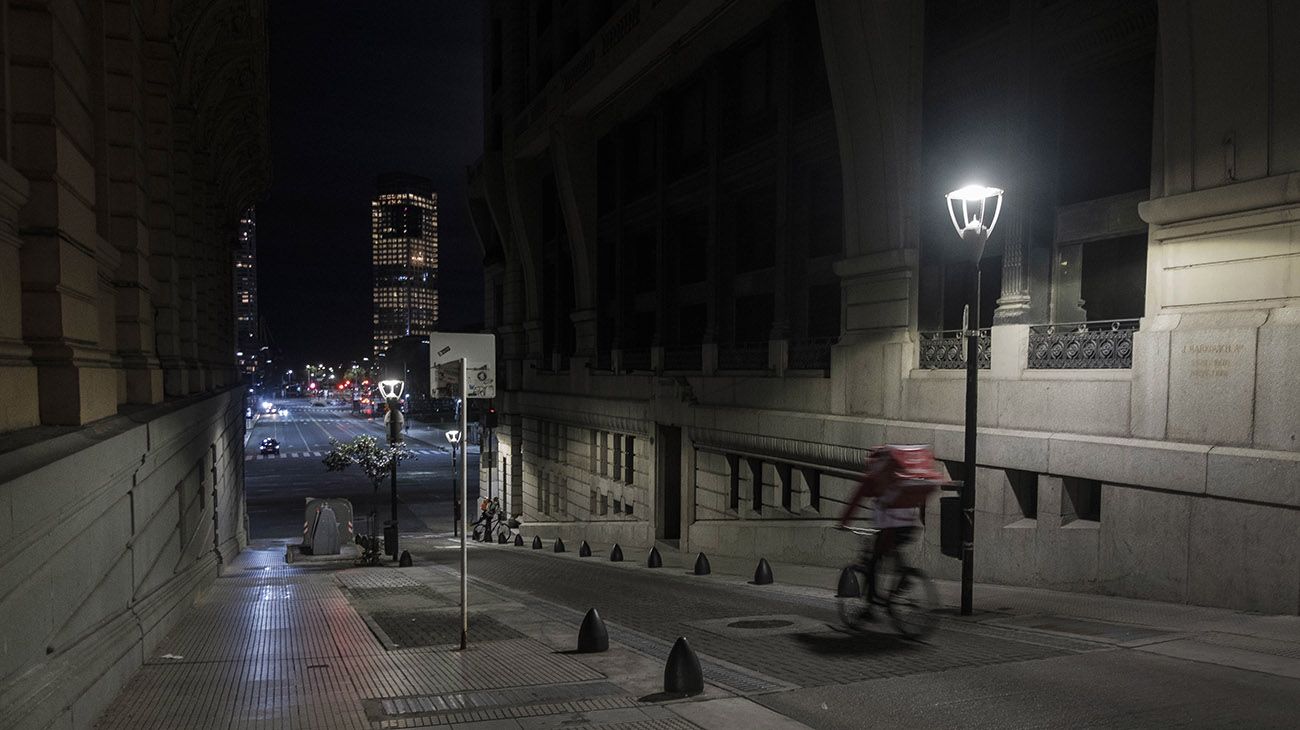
x,y
357,89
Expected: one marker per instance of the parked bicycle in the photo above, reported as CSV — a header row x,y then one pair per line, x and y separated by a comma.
x,y
905,594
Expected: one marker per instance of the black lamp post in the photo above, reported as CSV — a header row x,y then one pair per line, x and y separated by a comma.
x,y
392,392
972,203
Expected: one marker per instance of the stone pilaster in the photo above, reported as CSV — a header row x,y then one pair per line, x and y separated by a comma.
x,y
18,387
61,244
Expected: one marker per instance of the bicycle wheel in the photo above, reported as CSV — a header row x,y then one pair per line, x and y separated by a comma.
x,y
912,602
853,610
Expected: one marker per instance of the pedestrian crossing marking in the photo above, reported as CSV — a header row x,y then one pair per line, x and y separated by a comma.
x,y
319,454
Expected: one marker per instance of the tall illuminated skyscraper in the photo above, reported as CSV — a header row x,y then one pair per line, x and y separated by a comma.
x,y
404,258
247,339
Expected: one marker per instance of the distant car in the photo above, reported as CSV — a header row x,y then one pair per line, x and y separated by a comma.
x,y
270,446
320,403
274,410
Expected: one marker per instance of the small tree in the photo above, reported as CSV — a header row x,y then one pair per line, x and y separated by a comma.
x,y
376,461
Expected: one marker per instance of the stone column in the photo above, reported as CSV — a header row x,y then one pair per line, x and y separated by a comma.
x,y
17,374
62,248
1013,229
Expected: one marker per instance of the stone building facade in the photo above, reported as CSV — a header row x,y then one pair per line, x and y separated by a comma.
x,y
719,267
132,135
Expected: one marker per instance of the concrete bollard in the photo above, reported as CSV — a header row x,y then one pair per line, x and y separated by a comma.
x,y
405,560
584,550
616,555
592,636
559,545
683,675
848,587
655,560
537,542
519,540
702,565
763,573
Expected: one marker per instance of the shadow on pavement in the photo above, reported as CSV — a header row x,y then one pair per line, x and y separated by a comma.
x,y
867,642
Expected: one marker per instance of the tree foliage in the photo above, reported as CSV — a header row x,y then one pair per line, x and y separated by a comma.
x,y
374,458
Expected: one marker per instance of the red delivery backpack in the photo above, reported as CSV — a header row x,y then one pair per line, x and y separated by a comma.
x,y
903,476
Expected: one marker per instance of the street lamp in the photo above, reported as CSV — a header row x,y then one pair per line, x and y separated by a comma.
x,y
453,438
392,391
973,203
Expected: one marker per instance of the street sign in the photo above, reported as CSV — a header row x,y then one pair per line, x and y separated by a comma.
x,y
445,352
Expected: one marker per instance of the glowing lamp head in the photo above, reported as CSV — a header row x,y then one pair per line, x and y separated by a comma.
x,y
968,209
391,389
453,437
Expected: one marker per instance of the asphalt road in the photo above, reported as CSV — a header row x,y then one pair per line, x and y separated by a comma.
x,y
976,672
277,487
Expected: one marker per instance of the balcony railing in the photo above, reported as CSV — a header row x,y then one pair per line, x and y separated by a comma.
x,y
1079,345
637,359
743,356
687,358
942,350
811,354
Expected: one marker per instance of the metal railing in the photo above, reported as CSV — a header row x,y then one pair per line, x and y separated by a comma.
x,y
638,359
1079,345
743,356
812,354
943,350
686,358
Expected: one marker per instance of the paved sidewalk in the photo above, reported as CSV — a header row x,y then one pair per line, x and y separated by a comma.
x,y
325,645
322,644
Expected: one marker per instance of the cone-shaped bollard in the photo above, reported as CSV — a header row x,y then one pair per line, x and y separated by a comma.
x,y
763,573
848,587
519,540
502,539
584,550
655,560
537,542
405,560
683,675
702,565
592,637
616,555
559,545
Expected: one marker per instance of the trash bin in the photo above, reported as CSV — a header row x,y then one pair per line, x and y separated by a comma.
x,y
950,517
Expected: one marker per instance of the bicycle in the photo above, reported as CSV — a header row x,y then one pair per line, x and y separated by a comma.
x,y
910,601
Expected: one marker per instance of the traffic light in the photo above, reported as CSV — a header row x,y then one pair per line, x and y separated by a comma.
x,y
491,420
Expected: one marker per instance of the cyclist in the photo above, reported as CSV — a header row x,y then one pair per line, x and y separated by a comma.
x,y
899,478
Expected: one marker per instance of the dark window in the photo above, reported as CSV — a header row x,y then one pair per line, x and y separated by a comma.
x,y
1105,134
810,90
606,174
755,226
687,132
826,213
543,15
690,237
1113,285
691,322
754,318
824,310
639,157
497,59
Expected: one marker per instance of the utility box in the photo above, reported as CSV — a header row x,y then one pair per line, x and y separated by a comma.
x,y
390,539
950,517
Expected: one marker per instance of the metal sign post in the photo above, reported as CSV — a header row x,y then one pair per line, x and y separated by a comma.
x,y
464,506
471,360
